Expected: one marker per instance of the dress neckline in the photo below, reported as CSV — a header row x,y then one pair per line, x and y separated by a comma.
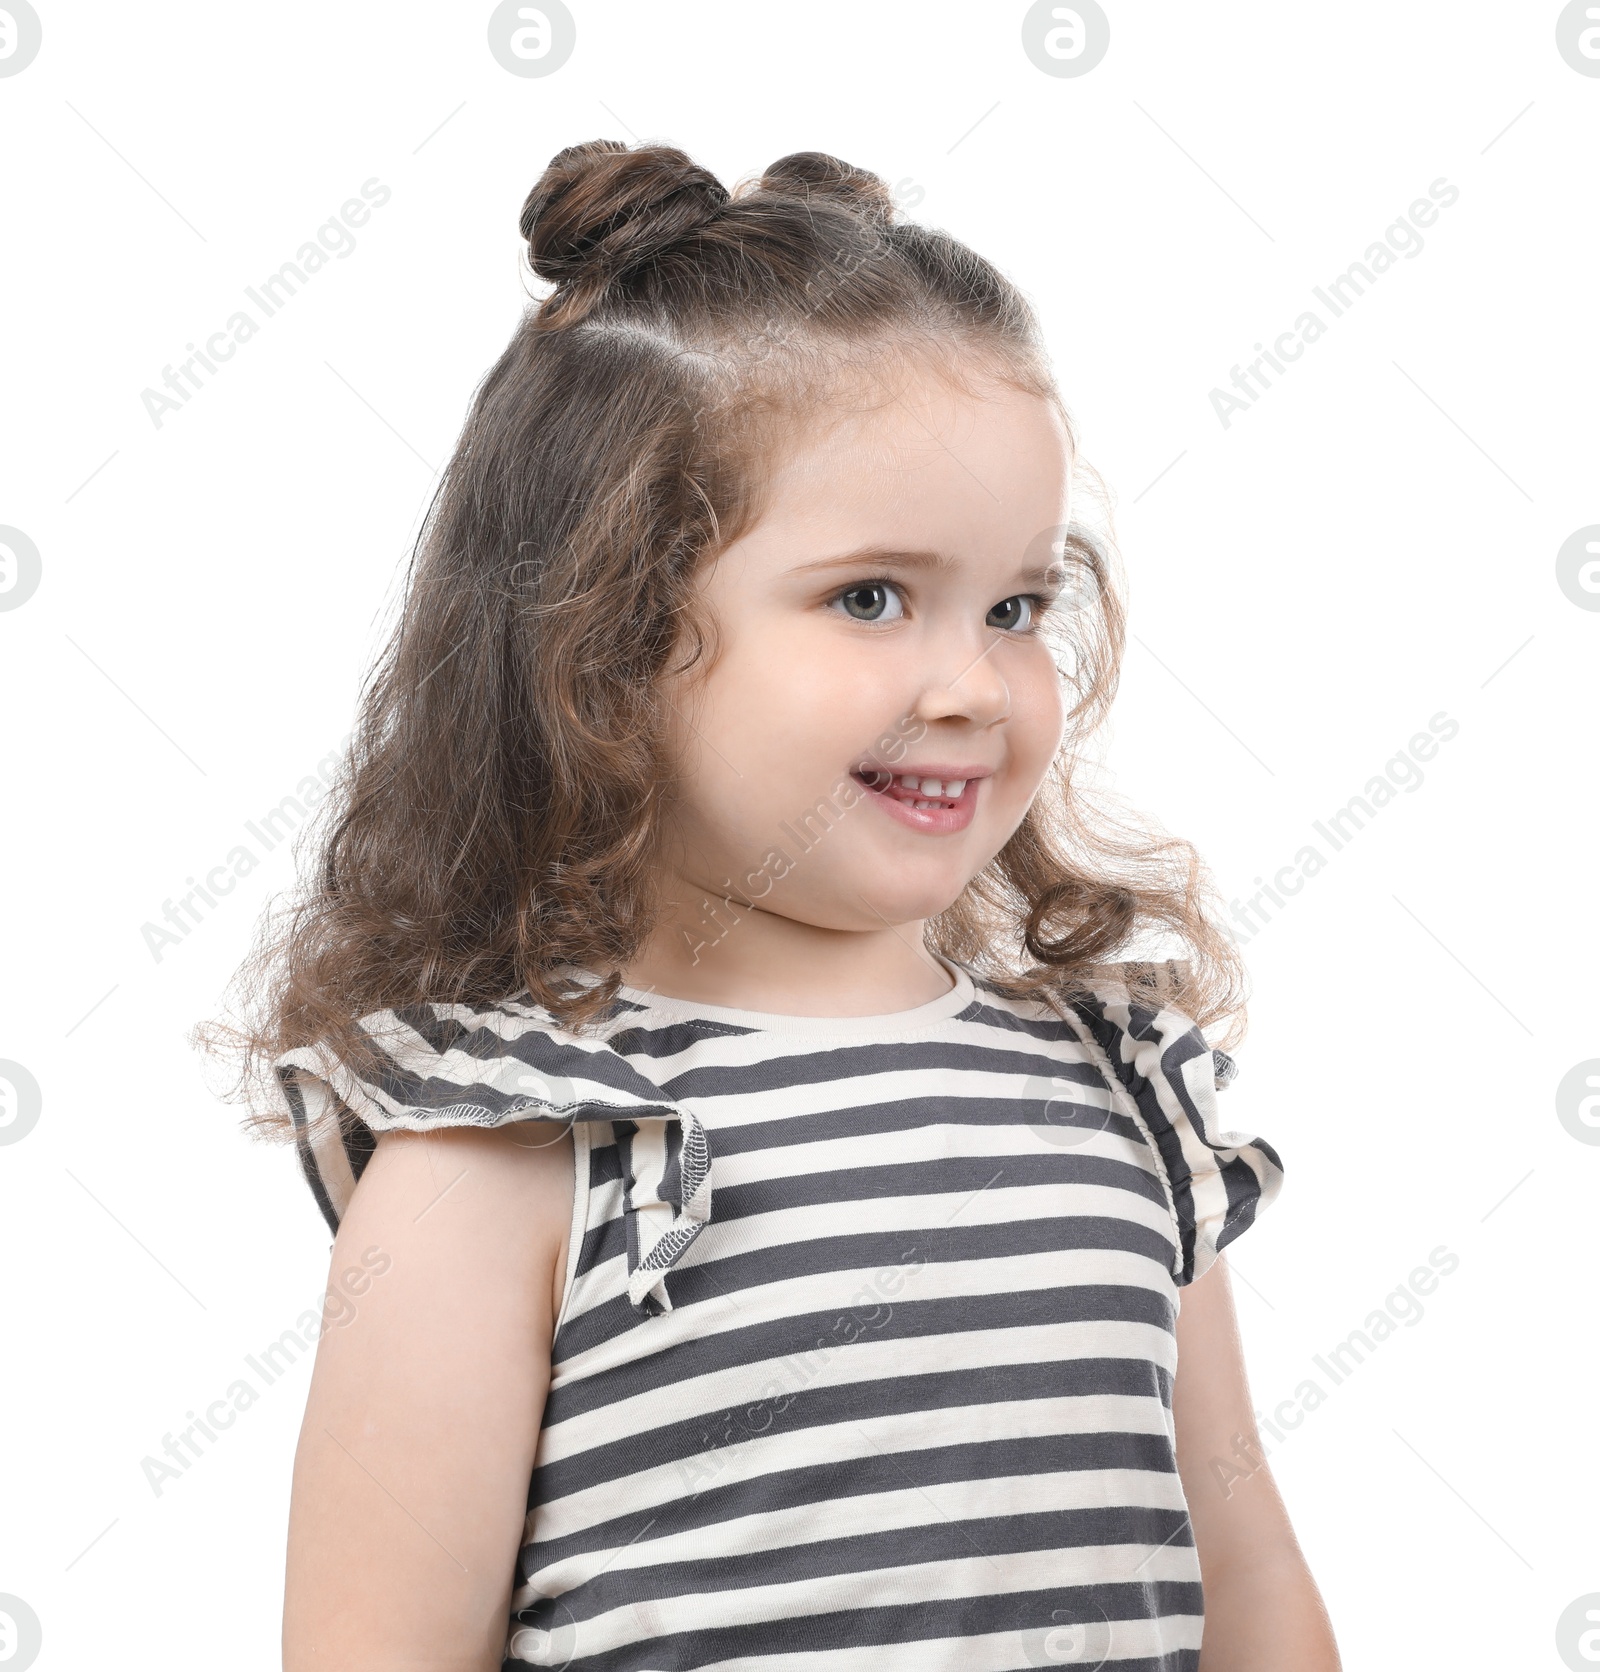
x,y
888,1025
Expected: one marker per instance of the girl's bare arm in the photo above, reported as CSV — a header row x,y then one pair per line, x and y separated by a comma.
x,y
1263,1610
411,1476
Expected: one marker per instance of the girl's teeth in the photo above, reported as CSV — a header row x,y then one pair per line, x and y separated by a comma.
x,y
932,790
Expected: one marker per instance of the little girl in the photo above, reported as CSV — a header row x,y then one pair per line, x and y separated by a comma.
x,y
764,1185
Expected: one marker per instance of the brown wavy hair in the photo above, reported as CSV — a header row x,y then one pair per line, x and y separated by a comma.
x,y
497,819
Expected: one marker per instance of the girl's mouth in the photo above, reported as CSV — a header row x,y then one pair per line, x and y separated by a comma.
x,y
937,806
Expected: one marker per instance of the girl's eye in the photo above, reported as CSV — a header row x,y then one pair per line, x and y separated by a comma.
x,y
872,601
1014,614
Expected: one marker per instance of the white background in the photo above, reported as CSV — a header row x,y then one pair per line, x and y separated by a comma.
x,y
1371,544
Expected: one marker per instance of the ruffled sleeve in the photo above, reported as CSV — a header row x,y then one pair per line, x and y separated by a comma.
x,y
1166,1077
457,1065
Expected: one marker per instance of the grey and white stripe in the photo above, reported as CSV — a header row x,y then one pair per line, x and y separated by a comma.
x,y
866,1353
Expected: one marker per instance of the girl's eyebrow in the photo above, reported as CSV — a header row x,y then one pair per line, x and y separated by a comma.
x,y
941,562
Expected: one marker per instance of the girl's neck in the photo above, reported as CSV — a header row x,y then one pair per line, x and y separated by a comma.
x,y
744,958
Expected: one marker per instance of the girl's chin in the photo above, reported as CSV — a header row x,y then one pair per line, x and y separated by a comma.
x,y
845,907
908,903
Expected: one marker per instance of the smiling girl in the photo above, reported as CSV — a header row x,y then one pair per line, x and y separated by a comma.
x,y
720,998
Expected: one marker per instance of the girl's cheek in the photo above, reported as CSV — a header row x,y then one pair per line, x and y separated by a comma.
x,y
1047,706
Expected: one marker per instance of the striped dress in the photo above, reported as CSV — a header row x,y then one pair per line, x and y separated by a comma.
x,y
866,1353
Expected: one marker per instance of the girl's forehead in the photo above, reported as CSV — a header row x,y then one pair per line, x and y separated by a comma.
x,y
928,453
798,556
896,398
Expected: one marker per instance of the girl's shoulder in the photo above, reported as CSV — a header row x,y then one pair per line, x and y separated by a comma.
x,y
480,1064
429,1066
1164,1078
1124,1006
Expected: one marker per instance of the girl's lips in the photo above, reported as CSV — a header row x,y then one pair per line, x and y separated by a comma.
x,y
947,816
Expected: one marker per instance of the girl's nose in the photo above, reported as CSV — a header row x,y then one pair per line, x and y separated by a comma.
x,y
976,691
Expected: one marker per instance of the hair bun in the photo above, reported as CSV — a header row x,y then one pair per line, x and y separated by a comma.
x,y
815,173
602,207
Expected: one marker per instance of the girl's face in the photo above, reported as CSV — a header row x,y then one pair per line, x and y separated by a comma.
x,y
880,623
